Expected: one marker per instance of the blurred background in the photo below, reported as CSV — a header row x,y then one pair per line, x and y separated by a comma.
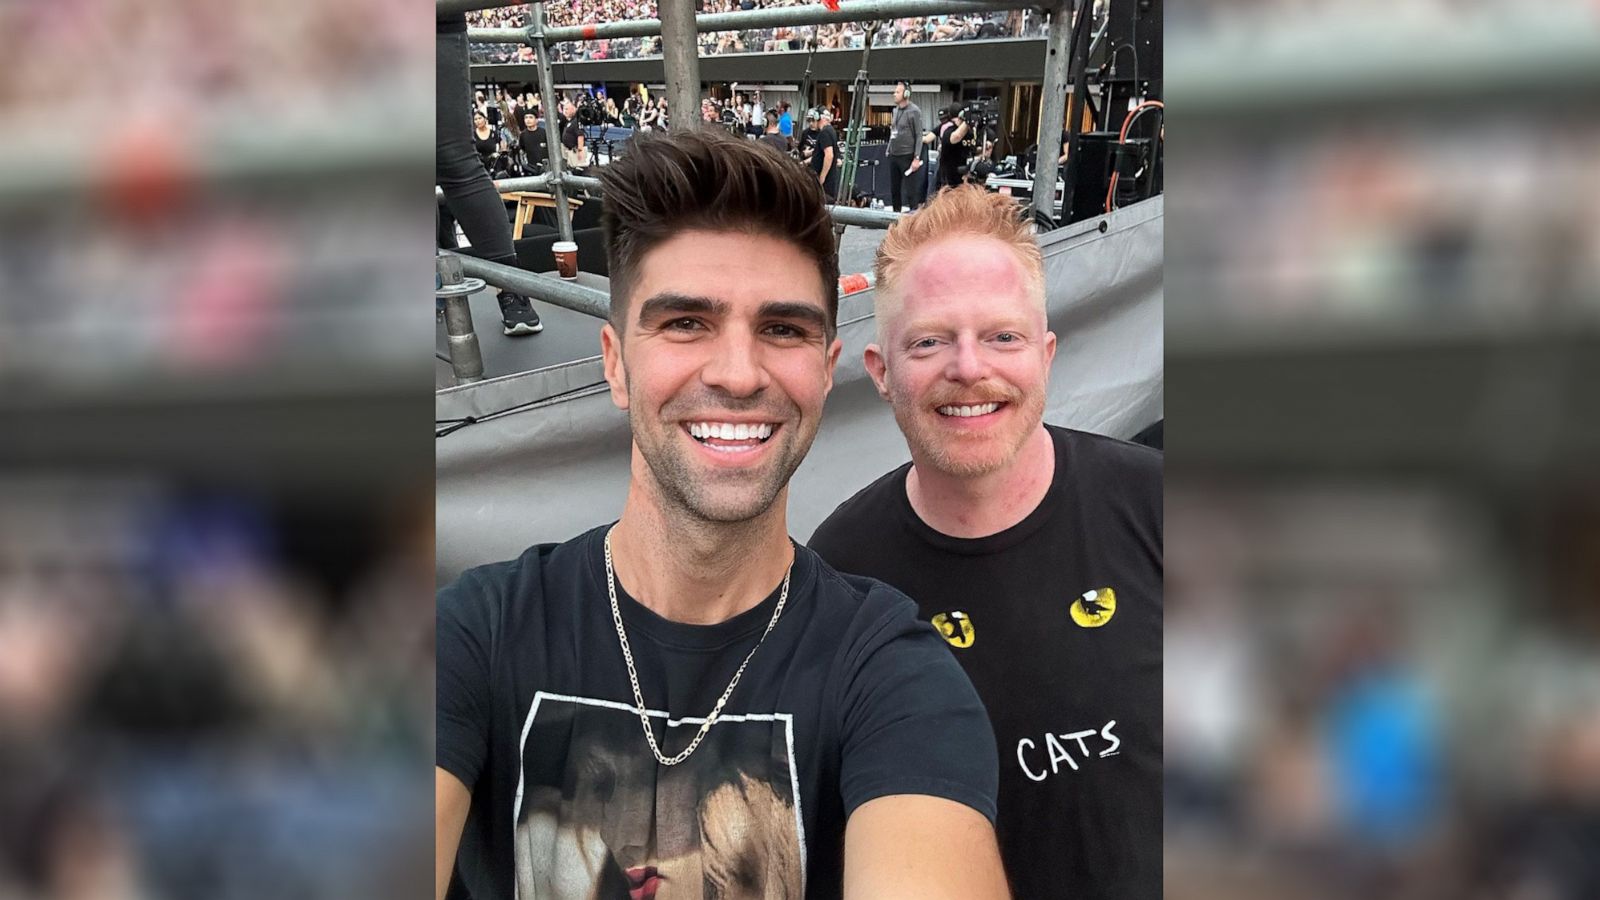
x,y
1383,497
216,458
216,464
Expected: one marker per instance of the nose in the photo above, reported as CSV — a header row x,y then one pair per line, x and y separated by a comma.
x,y
736,367
967,365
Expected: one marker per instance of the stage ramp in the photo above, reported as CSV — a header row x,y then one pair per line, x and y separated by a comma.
x,y
545,455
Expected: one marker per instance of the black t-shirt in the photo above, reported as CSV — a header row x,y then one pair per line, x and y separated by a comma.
x,y
1058,621
776,141
851,697
569,134
952,154
486,146
533,144
826,137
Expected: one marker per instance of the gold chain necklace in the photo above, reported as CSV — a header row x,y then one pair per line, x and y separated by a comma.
x,y
633,673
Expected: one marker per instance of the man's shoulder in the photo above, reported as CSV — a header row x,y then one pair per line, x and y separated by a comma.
x,y
1100,456
867,507
860,609
486,590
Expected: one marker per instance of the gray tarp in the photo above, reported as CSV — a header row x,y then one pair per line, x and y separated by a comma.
x,y
549,456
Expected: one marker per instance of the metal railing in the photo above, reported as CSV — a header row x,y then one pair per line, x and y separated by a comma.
x,y
680,61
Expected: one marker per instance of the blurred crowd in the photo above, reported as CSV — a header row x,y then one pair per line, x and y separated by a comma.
x,y
838,36
204,695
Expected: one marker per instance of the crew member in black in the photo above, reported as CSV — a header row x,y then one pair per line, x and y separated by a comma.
x,y
772,137
825,155
577,157
686,700
1035,550
532,141
953,150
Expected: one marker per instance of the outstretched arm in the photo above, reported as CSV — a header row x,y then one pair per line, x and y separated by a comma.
x,y
928,848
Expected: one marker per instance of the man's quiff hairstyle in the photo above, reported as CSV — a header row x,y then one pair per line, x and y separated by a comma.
x,y
707,179
968,209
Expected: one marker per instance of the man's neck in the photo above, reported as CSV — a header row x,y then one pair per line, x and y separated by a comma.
x,y
986,504
696,572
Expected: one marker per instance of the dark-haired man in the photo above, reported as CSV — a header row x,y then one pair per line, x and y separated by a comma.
x,y
686,701
771,137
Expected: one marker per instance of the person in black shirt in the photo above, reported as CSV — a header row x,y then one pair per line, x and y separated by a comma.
x,y
772,137
577,157
686,701
1034,549
825,155
534,145
953,151
485,141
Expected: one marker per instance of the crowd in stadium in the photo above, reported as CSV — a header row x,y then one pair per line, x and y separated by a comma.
x,y
841,36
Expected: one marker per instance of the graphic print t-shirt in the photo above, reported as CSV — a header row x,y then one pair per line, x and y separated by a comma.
x,y
1058,621
851,697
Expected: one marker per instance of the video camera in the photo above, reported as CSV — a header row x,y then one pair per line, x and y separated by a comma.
x,y
589,111
982,114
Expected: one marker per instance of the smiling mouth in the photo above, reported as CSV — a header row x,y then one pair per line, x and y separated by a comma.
x,y
732,437
969,410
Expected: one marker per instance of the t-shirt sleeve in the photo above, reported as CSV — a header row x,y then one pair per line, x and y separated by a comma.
x,y
464,641
912,722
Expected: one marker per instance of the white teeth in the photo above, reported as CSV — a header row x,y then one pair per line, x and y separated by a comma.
x,y
728,431
981,409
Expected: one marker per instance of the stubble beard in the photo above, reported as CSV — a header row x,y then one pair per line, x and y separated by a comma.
x,y
696,493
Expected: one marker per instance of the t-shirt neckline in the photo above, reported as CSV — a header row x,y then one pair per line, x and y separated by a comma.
x,y
1000,540
640,619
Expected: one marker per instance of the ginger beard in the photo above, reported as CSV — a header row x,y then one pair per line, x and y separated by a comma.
x,y
961,451
970,299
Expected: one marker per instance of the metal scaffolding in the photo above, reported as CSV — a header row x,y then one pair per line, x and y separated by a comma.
x,y
680,60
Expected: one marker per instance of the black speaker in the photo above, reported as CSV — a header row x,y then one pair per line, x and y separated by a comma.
x,y
1097,153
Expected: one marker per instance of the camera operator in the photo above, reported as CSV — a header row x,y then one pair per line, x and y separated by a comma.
x,y
953,149
966,142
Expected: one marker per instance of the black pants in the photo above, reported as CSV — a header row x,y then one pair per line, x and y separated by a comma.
x,y
913,187
469,194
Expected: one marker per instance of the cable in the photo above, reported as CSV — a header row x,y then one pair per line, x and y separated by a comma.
x,y
1122,138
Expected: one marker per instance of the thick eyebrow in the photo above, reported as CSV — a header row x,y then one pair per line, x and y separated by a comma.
x,y
681,304
792,309
667,304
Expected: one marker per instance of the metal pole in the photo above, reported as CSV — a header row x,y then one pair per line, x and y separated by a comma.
x,y
1080,99
466,358
680,57
857,124
552,290
552,134
1057,56
855,11
530,183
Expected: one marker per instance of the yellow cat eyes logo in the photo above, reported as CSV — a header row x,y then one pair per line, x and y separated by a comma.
x,y
956,628
1094,608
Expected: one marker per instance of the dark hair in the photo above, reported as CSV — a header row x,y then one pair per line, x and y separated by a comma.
x,y
676,181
